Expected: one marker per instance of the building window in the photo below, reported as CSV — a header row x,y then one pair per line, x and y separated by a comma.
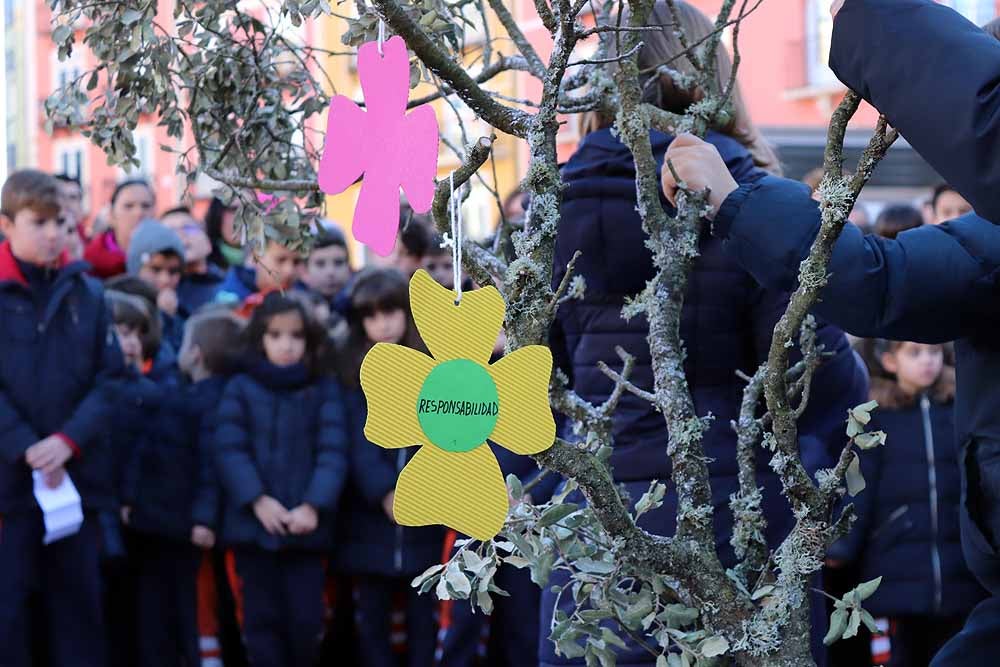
x,y
71,159
143,141
819,36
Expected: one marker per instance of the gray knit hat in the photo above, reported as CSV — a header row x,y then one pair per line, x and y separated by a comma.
x,y
149,239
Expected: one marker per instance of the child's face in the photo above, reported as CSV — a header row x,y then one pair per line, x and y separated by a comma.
x,y
196,244
278,268
915,365
327,270
35,238
162,271
385,326
441,268
130,341
950,205
285,339
133,205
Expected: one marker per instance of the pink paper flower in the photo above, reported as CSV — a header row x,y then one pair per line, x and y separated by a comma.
x,y
390,148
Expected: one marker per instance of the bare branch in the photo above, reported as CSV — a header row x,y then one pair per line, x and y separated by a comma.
x,y
509,120
535,64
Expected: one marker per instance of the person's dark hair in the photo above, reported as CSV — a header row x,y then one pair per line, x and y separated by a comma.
x,y
215,332
414,231
138,287
129,310
434,247
66,178
329,235
31,189
177,209
375,289
213,227
277,303
896,219
129,183
939,190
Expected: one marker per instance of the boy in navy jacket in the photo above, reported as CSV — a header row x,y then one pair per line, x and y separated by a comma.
x,y
936,78
57,350
172,494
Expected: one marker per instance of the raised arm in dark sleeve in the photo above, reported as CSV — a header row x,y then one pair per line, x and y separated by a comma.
x,y
936,78
918,287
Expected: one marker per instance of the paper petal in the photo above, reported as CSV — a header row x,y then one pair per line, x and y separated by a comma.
x,y
466,331
391,377
525,425
343,158
463,491
420,168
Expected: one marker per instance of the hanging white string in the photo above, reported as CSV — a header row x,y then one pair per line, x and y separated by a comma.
x,y
381,37
455,210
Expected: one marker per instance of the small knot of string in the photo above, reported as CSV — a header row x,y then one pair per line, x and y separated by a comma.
x,y
381,37
454,240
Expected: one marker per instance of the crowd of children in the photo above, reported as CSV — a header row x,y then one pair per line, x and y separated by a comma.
x,y
207,407
211,418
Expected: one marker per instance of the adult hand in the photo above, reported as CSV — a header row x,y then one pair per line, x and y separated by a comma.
x,y
271,514
302,520
202,537
48,455
700,167
835,7
166,301
387,505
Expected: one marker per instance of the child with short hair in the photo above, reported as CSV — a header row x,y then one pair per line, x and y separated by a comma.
x,y
156,255
170,492
277,268
328,266
57,353
281,451
383,556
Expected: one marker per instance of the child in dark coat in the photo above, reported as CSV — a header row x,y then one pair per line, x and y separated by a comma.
x,y
281,448
170,493
908,512
383,555
57,353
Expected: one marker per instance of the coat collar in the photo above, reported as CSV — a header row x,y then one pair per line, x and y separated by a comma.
x,y
11,272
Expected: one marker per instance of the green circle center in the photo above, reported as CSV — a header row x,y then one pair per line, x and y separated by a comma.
x,y
458,405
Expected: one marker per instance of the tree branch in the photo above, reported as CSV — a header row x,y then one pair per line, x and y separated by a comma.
x,y
504,118
535,64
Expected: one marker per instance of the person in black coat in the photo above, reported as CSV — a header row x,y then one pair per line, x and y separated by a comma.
x,y
726,324
281,450
382,555
58,354
908,512
170,493
932,284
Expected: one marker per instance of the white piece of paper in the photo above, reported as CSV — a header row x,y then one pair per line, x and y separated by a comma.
x,y
60,506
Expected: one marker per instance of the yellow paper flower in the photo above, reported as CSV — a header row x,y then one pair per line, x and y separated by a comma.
x,y
451,403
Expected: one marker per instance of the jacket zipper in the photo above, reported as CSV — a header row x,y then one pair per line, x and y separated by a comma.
x,y
925,409
398,554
